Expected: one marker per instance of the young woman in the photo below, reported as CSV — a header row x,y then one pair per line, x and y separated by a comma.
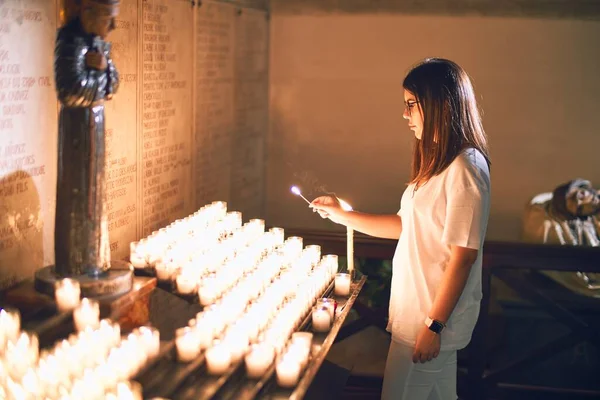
x,y
441,225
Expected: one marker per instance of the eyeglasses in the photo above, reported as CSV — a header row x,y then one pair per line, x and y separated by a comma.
x,y
408,106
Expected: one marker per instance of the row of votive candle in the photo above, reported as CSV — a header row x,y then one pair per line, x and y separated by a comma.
x,y
232,329
93,363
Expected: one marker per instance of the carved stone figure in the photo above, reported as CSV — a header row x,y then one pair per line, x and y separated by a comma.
x,y
570,215
85,77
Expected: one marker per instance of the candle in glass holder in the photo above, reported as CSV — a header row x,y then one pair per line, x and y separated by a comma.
x,y
218,359
293,247
187,343
328,303
298,352
186,283
164,270
87,314
342,284
10,324
321,319
67,293
278,234
207,294
288,372
331,262
130,390
258,360
304,338
258,225
136,257
150,337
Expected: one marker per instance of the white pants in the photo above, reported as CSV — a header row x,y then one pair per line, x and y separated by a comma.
x,y
405,380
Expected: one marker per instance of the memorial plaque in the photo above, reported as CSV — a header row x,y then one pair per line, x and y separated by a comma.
x,y
214,122
166,142
121,134
251,110
28,134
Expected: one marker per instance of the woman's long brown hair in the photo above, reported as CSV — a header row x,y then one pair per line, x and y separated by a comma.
x,y
451,118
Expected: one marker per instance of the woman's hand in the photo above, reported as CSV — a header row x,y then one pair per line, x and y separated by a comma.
x,y
329,207
427,346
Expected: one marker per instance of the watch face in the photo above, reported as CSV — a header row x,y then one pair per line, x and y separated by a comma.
x,y
436,326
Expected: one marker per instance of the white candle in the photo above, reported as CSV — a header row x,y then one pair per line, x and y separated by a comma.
x,y
288,373
137,261
207,294
218,359
278,234
87,314
186,284
10,325
304,338
350,249
129,391
21,354
258,360
342,284
164,270
67,293
187,343
321,319
150,338
349,239
329,304
298,352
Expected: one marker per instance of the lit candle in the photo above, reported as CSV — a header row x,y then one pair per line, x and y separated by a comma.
x,y
67,294
321,319
304,338
207,294
278,234
288,373
218,359
349,239
150,337
187,343
186,284
135,257
298,352
342,284
258,360
10,325
330,304
129,391
87,314
164,270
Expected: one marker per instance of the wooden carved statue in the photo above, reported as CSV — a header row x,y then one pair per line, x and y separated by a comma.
x,y
570,215
85,78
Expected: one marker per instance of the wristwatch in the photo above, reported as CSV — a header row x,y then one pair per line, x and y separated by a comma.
x,y
434,325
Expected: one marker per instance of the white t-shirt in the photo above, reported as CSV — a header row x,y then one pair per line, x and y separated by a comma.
x,y
452,208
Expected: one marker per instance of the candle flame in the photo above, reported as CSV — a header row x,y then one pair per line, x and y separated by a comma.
x,y
295,190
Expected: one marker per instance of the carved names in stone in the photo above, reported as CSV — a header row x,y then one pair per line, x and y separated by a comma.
x,y
122,134
166,139
28,132
214,123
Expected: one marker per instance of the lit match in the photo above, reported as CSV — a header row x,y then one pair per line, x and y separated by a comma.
x,y
297,192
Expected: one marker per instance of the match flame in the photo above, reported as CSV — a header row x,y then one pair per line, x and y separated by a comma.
x,y
295,190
